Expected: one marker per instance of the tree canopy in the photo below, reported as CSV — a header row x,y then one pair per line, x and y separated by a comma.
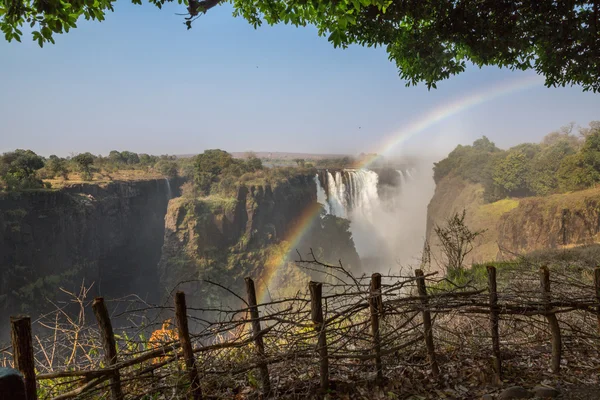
x,y
18,170
561,162
429,40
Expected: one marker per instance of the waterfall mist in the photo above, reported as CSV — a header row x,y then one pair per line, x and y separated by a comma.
x,y
387,209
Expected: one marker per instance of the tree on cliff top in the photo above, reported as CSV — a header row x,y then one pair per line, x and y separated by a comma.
x,y
429,40
84,163
18,170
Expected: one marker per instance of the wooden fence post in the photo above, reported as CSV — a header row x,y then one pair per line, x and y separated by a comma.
x,y
258,340
494,317
427,322
186,345
23,353
376,307
316,312
109,344
552,320
597,286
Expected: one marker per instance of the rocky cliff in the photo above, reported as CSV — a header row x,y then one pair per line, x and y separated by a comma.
x,y
227,239
515,226
106,235
131,238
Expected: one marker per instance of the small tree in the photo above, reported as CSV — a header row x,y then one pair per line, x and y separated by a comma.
x,y
253,162
18,170
57,166
115,157
456,240
84,163
168,168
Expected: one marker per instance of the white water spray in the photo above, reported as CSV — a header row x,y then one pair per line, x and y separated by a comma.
x,y
388,226
169,192
321,195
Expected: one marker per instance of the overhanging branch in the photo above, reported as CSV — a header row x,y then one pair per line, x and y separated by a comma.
x,y
197,7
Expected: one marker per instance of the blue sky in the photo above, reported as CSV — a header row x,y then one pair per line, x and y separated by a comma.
x,y
140,81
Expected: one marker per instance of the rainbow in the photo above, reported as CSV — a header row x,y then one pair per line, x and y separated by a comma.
x,y
450,109
302,225
423,122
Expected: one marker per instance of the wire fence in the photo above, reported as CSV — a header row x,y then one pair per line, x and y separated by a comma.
x,y
342,334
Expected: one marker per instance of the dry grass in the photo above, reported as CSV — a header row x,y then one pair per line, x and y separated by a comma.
x,y
100,178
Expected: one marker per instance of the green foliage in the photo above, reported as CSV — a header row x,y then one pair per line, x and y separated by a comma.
x,y
84,163
561,162
216,171
582,170
219,204
575,174
18,170
429,40
543,179
168,168
468,162
57,166
334,163
510,173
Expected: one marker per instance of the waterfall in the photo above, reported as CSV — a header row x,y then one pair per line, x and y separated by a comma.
x,y
321,195
387,216
402,178
349,192
336,194
169,193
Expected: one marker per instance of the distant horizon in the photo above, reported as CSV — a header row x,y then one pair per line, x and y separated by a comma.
x,y
292,155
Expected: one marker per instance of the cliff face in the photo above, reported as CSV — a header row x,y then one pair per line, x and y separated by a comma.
x,y
556,221
108,235
516,226
228,239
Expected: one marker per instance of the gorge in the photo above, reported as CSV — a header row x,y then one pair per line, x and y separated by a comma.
x,y
141,237
145,237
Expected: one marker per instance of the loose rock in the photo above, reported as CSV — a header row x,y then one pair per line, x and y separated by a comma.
x,y
545,392
487,397
515,392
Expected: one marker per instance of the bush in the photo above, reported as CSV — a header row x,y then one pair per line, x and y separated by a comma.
x,y
84,163
57,166
167,168
18,170
562,162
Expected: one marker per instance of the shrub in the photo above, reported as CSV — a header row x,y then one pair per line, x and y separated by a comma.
x,y
18,170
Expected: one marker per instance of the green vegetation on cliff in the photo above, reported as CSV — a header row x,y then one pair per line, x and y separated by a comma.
x,y
24,169
562,162
515,226
18,170
251,233
217,173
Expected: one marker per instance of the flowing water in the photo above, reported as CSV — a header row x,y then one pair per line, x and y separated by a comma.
x,y
387,218
169,192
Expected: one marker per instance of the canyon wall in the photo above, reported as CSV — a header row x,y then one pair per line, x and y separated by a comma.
x,y
107,235
514,226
